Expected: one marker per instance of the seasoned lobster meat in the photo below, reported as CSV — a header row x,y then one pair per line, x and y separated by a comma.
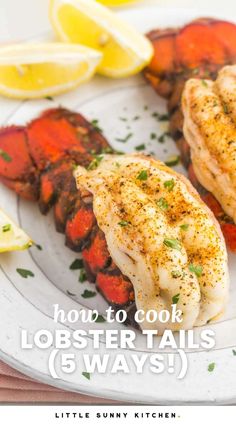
x,y
160,235
210,129
197,50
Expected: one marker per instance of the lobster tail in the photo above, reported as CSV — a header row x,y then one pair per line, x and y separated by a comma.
x,y
37,161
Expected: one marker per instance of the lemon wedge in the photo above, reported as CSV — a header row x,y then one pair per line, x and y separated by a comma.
x,y
11,236
125,51
39,70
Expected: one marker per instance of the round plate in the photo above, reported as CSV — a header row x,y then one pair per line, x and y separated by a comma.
x,y
125,109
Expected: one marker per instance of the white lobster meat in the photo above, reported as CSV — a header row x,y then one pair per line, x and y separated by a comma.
x,y
161,236
209,110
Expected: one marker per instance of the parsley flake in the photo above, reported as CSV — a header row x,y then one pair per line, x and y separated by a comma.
x,y
143,175
82,276
163,204
88,294
25,273
6,228
95,124
172,243
226,109
95,162
184,227
140,147
169,184
5,156
175,299
77,264
50,98
196,269
86,375
98,318
172,161
211,367
125,139
163,136
123,223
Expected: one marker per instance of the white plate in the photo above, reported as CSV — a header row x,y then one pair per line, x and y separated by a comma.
x,y
27,303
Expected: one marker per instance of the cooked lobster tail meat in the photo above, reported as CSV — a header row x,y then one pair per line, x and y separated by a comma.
x,y
197,50
156,239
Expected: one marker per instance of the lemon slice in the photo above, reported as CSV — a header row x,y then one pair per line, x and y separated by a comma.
x,y
39,70
125,51
11,236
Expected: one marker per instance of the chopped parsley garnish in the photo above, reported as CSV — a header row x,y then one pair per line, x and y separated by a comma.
x,y
234,352
86,375
5,156
88,293
123,223
51,99
123,119
169,184
82,276
70,294
125,139
163,204
173,243
175,299
77,264
196,269
163,117
204,83
184,227
211,367
172,161
163,136
153,136
99,318
140,147
176,274
107,150
95,162
39,247
145,107
6,228
225,107
143,175
136,118
160,117
95,124
25,273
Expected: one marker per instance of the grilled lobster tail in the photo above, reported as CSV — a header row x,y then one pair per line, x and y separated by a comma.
x,y
37,162
180,55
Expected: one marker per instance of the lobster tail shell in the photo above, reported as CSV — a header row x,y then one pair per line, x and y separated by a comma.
x,y
199,50
37,162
